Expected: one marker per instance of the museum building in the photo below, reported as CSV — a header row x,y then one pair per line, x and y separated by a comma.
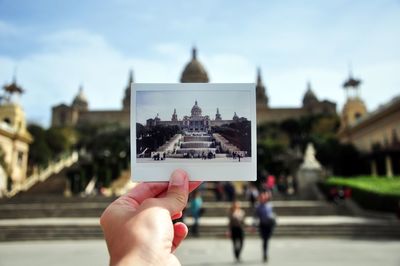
x,y
78,111
196,122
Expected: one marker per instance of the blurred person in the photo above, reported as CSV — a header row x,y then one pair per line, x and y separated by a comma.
x,y
236,224
252,194
134,236
196,210
282,185
266,220
219,191
230,191
270,183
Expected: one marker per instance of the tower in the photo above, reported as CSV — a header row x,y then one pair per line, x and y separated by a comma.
x,y
261,97
126,102
174,116
218,115
235,117
80,102
354,108
310,100
194,71
14,137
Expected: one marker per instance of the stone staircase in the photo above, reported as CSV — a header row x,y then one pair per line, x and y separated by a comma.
x,y
56,217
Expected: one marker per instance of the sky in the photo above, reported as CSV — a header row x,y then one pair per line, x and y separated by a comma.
x,y
163,103
56,46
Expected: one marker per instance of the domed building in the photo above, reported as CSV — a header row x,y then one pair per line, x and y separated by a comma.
x,y
196,122
80,102
194,72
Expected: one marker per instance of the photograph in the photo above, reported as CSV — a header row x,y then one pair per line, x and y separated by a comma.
x,y
194,124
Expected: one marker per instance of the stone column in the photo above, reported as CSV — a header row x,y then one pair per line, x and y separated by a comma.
x,y
389,168
374,170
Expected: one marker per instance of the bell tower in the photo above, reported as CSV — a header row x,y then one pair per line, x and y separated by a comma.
x,y
354,108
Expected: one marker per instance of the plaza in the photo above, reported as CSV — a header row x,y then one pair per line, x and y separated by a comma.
x,y
207,252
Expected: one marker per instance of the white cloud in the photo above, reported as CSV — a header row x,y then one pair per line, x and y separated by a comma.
x,y
73,57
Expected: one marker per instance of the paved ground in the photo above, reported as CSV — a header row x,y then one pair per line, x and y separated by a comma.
x,y
206,221
284,252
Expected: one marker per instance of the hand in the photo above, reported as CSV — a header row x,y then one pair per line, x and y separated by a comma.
x,y
138,226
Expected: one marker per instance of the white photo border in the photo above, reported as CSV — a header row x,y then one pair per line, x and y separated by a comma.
x,y
213,171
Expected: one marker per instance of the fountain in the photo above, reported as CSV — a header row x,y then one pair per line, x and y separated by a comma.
x,y
196,144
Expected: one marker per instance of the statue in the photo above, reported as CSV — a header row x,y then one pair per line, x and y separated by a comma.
x,y
310,162
309,174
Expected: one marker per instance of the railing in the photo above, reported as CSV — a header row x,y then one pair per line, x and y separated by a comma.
x,y
42,175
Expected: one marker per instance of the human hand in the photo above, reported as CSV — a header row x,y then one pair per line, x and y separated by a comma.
x,y
138,226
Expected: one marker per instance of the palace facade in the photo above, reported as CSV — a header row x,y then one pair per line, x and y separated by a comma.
x,y
376,134
78,111
196,122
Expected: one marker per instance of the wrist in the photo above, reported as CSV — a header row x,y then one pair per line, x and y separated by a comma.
x,y
135,258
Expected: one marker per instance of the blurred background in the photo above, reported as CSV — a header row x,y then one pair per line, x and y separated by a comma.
x,y
328,121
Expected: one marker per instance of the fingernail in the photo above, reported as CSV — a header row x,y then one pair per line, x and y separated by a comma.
x,y
177,179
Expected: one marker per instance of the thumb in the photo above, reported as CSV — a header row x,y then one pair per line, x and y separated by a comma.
x,y
177,194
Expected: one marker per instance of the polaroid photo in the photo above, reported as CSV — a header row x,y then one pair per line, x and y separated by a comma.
x,y
209,130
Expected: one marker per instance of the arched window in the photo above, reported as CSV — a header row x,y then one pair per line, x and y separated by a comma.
x,y
7,121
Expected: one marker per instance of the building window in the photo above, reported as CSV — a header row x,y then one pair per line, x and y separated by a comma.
x,y
20,159
7,121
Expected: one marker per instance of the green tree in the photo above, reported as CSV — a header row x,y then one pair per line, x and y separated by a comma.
x,y
39,150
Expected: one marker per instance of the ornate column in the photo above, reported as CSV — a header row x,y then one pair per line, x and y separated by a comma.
x,y
374,170
389,168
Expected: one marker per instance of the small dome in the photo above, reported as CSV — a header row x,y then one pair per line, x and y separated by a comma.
x,y
196,110
194,71
80,100
309,96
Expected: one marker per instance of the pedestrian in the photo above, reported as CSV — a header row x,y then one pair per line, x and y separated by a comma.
x,y
195,209
270,183
219,191
266,220
230,191
236,224
252,194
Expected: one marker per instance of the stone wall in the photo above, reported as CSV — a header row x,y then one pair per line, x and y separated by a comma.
x,y
265,115
120,117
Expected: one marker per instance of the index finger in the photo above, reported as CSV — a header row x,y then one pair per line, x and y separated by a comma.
x,y
144,191
151,190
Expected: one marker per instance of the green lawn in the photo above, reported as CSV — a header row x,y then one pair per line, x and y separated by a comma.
x,y
378,185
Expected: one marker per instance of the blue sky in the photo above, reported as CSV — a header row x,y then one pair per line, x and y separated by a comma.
x,y
58,45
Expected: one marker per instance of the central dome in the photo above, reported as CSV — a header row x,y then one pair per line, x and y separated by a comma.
x,y
194,71
196,110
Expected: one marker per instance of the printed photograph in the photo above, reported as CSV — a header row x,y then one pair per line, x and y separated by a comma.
x,y
193,126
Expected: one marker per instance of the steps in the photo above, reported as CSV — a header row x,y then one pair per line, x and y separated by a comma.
x,y
34,207
79,228
55,217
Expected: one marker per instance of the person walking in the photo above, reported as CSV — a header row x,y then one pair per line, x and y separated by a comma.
x,y
236,223
266,220
252,194
195,209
